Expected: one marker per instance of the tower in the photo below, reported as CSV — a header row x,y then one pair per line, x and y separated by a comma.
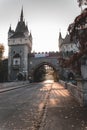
x,y
20,45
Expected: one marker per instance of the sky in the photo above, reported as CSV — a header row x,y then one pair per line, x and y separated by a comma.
x,y
45,18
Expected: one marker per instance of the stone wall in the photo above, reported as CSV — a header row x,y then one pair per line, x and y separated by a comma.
x,y
23,51
79,91
34,63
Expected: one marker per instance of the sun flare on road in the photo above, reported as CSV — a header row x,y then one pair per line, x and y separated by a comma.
x,y
48,81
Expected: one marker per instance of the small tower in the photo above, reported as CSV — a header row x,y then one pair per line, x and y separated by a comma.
x,y
20,45
60,40
10,32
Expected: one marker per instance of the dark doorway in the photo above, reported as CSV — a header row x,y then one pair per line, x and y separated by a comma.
x,y
45,72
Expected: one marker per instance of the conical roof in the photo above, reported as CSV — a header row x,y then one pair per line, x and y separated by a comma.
x,y
67,39
21,27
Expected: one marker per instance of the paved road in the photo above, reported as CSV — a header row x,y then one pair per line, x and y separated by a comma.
x,y
63,112
41,106
23,108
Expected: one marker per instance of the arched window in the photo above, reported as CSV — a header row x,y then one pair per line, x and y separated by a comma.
x,y
16,55
16,59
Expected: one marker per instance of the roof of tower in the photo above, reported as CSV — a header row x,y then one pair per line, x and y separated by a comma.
x,y
21,27
18,35
66,40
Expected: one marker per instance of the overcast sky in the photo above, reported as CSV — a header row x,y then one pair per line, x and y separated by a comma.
x,y
44,17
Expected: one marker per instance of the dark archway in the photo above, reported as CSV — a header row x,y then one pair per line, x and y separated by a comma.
x,y
45,71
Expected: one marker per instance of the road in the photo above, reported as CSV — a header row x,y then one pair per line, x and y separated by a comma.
x,y
22,109
41,106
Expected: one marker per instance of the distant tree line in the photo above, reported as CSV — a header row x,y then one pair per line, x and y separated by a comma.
x,y
3,65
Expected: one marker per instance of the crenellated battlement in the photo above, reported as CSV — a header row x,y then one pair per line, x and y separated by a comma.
x,y
44,54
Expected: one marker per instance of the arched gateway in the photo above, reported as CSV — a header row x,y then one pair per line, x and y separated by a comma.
x,y
38,64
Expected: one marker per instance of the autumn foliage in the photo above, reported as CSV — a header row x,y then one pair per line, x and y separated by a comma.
x,y
78,31
1,51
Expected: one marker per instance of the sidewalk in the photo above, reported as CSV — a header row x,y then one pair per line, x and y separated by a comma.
x,y
12,85
63,112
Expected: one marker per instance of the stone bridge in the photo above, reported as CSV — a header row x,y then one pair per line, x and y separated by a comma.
x,y
38,59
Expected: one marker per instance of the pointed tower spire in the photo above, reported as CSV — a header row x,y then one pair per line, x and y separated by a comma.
x,y
10,28
21,17
60,35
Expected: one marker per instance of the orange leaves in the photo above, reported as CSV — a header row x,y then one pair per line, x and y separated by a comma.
x,y
1,51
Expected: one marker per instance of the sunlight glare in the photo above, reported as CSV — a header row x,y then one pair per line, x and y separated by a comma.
x,y
48,81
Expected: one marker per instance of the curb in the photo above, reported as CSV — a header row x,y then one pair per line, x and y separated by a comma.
x,y
12,88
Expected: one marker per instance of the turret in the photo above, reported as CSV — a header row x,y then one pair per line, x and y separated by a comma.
x,y
60,35
10,32
26,31
30,37
60,40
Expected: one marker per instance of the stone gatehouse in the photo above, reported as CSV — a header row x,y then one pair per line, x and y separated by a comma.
x,y
21,62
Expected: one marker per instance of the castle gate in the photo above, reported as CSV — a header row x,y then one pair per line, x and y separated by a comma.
x,y
39,61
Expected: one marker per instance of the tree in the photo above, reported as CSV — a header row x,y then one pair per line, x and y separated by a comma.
x,y
82,2
1,51
78,31
1,62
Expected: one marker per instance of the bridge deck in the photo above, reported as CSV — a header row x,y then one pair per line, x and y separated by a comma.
x,y
63,112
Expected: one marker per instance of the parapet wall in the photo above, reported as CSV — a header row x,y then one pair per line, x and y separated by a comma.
x,y
79,91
